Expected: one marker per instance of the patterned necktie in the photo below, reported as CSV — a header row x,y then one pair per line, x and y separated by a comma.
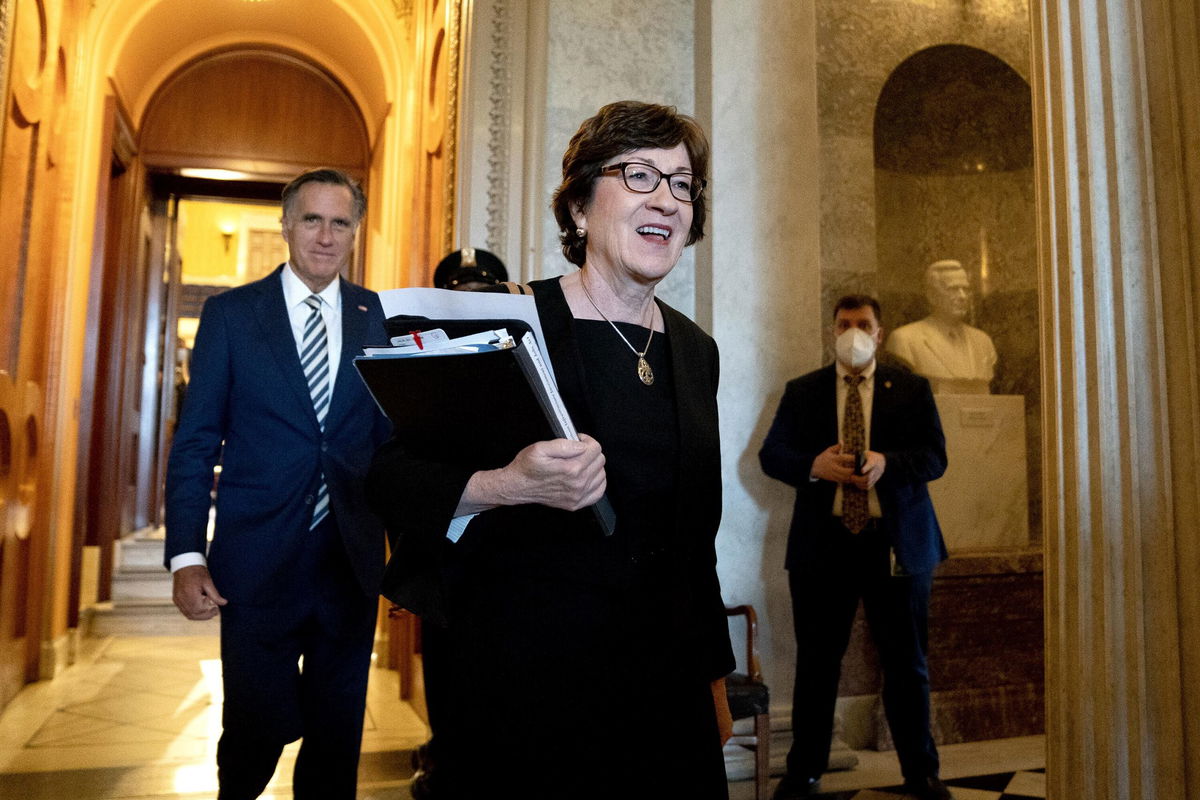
x,y
855,511
314,358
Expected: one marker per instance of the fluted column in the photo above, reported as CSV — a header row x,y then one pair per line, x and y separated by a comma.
x,y
1118,207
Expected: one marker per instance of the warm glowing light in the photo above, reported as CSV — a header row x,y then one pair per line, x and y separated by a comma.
x,y
227,229
193,778
215,174
984,267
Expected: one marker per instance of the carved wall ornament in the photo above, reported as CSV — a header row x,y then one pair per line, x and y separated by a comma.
x,y
453,52
403,9
499,116
6,7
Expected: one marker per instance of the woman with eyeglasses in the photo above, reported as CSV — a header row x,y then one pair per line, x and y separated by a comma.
x,y
587,665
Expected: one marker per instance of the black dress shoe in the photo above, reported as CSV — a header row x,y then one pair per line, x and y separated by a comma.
x,y
791,787
929,788
421,786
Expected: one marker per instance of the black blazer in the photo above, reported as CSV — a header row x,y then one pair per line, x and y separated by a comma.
x,y
417,498
248,407
905,427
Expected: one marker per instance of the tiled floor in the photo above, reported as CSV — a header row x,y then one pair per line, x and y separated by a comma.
x,y
139,716
1002,769
1022,785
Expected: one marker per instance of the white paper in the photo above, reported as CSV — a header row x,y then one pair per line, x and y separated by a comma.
x,y
437,340
434,338
451,304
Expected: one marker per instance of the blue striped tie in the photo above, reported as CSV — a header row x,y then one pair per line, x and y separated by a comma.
x,y
314,358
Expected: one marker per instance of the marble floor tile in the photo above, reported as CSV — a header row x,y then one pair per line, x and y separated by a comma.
x,y
959,793
1027,784
139,717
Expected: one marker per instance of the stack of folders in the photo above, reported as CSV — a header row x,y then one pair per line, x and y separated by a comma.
x,y
473,399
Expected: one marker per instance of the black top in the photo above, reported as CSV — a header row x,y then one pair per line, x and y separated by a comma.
x,y
637,429
510,552
557,633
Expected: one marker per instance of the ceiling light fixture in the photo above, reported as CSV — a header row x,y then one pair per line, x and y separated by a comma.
x,y
215,174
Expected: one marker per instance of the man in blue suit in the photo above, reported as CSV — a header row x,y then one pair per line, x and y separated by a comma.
x,y
296,557
859,441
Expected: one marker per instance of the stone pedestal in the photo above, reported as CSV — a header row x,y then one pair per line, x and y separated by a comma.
x,y
982,501
986,667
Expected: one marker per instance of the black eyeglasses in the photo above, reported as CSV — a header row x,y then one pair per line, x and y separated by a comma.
x,y
644,179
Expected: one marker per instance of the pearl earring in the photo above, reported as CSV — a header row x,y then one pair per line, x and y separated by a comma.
x,y
581,233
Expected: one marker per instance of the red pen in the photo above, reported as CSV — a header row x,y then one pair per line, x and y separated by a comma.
x,y
417,338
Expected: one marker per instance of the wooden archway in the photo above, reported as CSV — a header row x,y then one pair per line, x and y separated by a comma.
x,y
263,112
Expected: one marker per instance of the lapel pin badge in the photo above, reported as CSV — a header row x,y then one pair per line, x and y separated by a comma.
x,y
362,308
887,384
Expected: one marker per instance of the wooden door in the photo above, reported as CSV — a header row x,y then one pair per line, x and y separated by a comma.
x,y
15,548
32,184
118,315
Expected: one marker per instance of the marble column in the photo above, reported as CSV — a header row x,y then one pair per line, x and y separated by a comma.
x,y
1116,99
767,312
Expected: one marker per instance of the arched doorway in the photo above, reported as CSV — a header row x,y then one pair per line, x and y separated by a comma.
x,y
232,125
88,81
954,182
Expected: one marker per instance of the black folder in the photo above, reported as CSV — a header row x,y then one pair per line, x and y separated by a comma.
x,y
474,409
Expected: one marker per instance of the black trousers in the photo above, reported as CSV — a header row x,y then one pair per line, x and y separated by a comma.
x,y
558,686
825,598
435,670
271,699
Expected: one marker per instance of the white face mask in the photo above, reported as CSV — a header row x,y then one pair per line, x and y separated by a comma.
x,y
855,348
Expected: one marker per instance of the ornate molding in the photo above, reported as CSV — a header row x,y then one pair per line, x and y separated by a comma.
x,y
404,15
403,9
499,111
6,26
454,52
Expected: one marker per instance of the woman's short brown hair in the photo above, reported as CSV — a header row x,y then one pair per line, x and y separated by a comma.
x,y
616,129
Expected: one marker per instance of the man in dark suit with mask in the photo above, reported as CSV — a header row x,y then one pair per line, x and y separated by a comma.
x,y
296,556
859,441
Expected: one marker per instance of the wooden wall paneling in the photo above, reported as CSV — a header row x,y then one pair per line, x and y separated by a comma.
x,y
34,472
434,232
6,27
11,604
20,571
18,157
29,205
109,451
163,230
263,112
149,371
23,130
131,262
89,389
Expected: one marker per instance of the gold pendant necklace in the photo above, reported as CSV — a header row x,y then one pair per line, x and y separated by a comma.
x,y
643,366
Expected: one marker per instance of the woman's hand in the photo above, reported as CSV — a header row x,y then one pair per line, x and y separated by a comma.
x,y
558,473
721,704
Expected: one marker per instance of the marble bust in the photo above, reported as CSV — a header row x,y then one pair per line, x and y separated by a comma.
x,y
956,357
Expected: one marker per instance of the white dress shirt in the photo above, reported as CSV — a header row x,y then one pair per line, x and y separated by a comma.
x,y
294,295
